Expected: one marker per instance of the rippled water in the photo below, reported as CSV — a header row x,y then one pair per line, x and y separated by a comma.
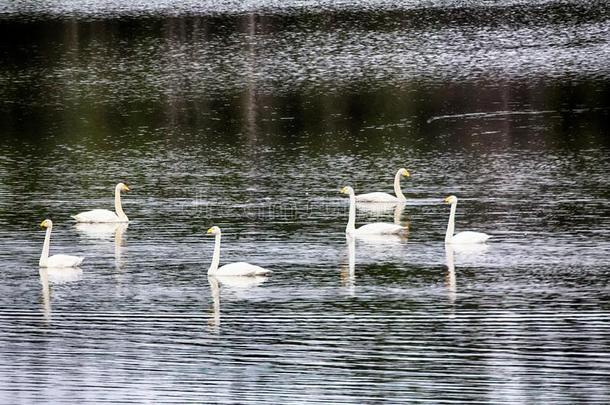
x,y
251,116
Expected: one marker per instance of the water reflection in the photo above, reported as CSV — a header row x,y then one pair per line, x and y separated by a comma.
x,y
105,231
118,245
229,283
56,276
99,231
46,293
348,270
214,321
450,278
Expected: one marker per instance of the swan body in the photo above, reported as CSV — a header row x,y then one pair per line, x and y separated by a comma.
x,y
377,228
55,261
106,216
461,238
232,269
380,197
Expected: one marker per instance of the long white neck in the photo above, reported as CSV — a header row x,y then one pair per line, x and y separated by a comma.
x,y
351,223
451,224
45,248
118,208
397,189
216,257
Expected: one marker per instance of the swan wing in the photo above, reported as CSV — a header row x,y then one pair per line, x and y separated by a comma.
x,y
376,197
241,269
467,237
64,261
97,216
380,228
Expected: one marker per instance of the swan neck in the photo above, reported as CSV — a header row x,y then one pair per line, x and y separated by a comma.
x,y
118,207
351,223
397,189
45,248
216,257
451,224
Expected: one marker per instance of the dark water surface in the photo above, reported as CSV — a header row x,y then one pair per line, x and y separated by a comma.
x,y
250,116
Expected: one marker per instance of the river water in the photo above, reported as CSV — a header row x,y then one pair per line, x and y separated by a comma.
x,y
251,116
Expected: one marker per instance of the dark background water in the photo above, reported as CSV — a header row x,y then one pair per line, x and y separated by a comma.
x,y
250,116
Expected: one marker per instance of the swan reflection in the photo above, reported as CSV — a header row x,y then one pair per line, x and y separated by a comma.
x,y
103,231
55,276
118,245
348,273
231,282
106,231
450,279
378,208
214,321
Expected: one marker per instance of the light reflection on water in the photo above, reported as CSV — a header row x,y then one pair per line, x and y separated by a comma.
x,y
253,123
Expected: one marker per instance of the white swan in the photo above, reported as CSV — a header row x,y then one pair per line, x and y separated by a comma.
x,y
461,238
232,269
377,228
55,260
385,197
96,216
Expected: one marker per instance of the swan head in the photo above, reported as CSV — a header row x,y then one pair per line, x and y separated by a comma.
x,y
214,231
404,172
47,223
346,190
451,199
122,187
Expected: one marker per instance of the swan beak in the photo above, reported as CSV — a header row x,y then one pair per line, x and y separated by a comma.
x,y
210,231
406,173
343,190
125,188
43,224
446,200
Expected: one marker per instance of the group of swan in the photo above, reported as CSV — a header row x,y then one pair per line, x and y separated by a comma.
x,y
99,216
91,217
385,228
245,269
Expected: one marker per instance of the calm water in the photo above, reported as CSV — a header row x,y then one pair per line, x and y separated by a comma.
x,y
250,116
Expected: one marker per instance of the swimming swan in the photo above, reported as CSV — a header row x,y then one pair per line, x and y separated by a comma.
x,y
385,197
94,216
466,237
232,269
377,228
55,260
